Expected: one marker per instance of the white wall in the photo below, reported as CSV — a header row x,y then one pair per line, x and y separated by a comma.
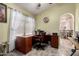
x,y
53,14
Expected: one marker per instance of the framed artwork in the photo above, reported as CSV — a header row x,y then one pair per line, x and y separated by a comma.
x,y
3,13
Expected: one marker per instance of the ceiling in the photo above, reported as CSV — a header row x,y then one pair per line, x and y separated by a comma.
x,y
35,8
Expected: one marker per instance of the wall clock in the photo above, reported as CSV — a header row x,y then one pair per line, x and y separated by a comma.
x,y
46,19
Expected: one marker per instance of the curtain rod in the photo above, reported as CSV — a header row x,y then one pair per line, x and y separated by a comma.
x,y
18,11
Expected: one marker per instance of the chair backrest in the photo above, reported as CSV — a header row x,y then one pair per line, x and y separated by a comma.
x,y
55,34
77,35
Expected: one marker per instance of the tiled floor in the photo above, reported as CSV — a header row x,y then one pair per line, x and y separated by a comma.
x,y
64,49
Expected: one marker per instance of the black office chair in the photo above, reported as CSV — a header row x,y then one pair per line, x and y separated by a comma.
x,y
40,41
77,37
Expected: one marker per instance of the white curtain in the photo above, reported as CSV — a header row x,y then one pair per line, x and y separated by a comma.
x,y
29,26
19,25
12,31
16,27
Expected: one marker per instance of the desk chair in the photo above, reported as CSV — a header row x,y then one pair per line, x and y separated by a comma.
x,y
40,40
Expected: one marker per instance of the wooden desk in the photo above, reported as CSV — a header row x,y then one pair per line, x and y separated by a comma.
x,y
54,41
46,38
23,44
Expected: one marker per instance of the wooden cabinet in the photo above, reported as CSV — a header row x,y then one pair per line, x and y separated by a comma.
x,y
23,44
54,41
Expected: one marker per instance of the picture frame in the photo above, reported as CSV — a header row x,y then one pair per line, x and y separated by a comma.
x,y
3,13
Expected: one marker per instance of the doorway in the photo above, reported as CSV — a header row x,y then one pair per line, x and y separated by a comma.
x,y
66,27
